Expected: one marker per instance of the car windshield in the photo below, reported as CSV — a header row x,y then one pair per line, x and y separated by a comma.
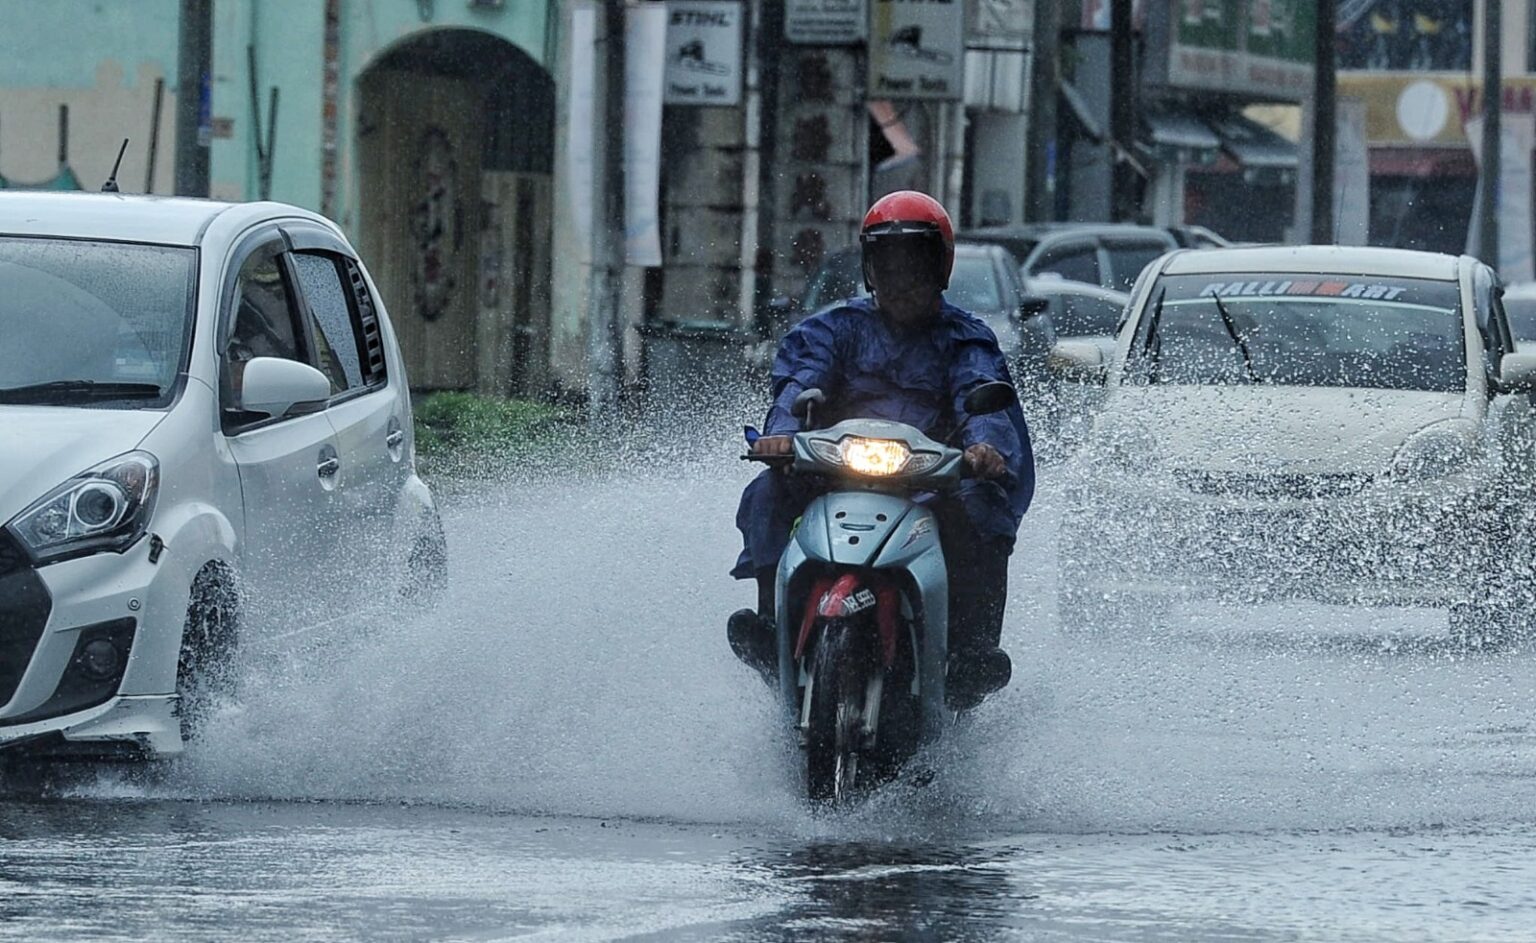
x,y
99,322
973,286
1522,317
1299,330
1129,259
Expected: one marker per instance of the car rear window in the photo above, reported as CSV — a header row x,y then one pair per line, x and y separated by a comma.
x,y
1086,315
95,317
1302,330
1128,259
973,285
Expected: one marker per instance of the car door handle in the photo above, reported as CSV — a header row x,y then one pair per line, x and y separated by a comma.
x,y
394,439
328,468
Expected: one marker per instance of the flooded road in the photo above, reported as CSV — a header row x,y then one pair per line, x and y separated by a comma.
x,y
567,750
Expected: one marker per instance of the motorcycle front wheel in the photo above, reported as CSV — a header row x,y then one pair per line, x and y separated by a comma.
x,y
839,671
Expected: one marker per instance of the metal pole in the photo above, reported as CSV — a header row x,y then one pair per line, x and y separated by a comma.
x,y
1122,109
1325,124
1493,94
1044,87
605,330
194,55
154,137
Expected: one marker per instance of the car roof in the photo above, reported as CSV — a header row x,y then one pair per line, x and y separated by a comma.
x,y
961,248
122,217
1037,230
1323,260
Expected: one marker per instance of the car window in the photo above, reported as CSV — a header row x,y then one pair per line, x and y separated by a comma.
x,y
1299,330
1086,315
974,284
266,321
92,316
336,335
1521,313
1127,259
1079,263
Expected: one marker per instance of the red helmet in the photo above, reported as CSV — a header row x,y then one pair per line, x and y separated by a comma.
x,y
910,232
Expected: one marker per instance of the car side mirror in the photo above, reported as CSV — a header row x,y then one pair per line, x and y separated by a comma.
x,y
1517,372
1079,361
274,386
991,397
1031,306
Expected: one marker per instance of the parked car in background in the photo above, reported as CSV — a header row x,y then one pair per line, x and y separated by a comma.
x,y
205,442
1520,306
1109,255
1086,318
986,283
1346,425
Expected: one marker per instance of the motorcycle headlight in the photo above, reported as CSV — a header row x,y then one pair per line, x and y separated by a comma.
x,y
1436,451
103,508
877,457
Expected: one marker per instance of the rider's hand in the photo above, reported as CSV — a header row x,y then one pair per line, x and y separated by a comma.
x,y
774,445
985,461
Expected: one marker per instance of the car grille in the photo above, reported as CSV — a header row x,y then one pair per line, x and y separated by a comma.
x,y
24,609
1273,486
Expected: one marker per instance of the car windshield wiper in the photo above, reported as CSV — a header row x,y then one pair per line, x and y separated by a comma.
x,y
78,390
1242,345
1152,344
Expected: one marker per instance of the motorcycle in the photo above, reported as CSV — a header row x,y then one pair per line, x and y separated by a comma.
x,y
863,596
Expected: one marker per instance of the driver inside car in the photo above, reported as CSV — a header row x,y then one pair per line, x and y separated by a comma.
x,y
906,355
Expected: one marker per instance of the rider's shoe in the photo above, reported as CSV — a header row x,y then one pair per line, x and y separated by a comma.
x,y
974,675
752,639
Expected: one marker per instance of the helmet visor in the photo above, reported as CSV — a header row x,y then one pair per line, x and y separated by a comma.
x,y
904,261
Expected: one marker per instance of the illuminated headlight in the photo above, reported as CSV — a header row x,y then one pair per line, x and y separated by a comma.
x,y
1439,450
104,508
875,456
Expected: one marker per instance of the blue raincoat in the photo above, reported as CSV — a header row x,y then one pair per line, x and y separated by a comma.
x,y
920,377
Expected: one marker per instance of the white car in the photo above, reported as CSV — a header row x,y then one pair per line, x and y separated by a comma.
x,y
205,440
1346,425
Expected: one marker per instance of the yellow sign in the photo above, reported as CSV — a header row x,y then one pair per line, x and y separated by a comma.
x,y
1427,110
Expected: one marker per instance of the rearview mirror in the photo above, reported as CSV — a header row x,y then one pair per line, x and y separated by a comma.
x,y
1079,361
273,385
1517,372
991,397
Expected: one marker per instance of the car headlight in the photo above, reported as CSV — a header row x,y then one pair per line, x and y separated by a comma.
x,y
1437,450
103,508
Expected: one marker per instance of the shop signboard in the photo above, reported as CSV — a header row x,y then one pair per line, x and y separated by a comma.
x,y
1262,49
917,49
1428,111
825,22
703,52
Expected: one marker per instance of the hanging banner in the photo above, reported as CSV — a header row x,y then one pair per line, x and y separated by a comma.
x,y
1517,139
703,56
917,49
825,22
645,55
581,126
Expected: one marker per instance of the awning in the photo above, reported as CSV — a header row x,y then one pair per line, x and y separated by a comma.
x,y
1176,135
1077,105
1254,146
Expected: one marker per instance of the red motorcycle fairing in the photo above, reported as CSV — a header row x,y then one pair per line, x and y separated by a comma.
x,y
848,595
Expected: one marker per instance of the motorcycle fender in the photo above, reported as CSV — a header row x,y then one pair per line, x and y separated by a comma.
x,y
849,528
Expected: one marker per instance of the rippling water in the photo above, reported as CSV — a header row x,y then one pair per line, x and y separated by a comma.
x,y
566,747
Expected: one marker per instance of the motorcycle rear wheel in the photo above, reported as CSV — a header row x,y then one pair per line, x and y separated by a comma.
x,y
838,683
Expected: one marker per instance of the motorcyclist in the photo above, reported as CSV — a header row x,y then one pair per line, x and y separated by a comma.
x,y
907,355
